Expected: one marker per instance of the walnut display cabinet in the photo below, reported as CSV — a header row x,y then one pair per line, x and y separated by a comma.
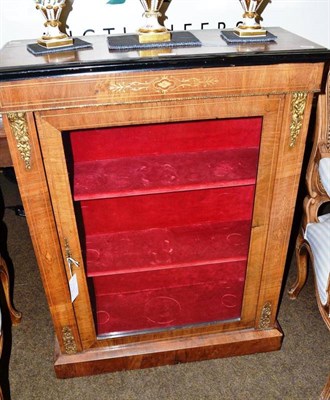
x,y
159,192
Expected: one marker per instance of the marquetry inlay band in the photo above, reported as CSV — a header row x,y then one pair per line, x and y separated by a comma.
x,y
163,84
298,106
266,313
19,128
69,341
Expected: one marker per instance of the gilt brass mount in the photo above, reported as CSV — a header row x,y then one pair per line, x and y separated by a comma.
x,y
19,127
298,106
69,341
266,313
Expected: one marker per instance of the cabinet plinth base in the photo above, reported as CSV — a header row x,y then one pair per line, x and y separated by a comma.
x,y
165,352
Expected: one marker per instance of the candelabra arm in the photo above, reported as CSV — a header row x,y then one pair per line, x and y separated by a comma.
x,y
261,6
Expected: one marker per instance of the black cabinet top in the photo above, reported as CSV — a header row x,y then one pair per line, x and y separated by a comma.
x,y
17,63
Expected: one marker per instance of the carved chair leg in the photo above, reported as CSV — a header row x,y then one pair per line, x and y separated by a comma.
x,y
1,395
1,344
15,315
325,395
302,265
323,311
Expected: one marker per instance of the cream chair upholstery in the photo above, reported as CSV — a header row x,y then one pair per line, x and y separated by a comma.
x,y
313,240
317,235
324,171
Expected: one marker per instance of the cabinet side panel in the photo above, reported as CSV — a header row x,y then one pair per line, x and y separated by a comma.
x,y
25,152
283,205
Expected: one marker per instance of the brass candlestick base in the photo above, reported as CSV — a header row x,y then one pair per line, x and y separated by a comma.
x,y
248,31
154,52
61,41
154,37
152,31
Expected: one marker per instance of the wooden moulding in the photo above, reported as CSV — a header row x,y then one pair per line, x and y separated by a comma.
x,y
139,87
173,351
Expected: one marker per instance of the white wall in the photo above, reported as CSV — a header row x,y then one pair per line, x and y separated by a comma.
x,y
311,19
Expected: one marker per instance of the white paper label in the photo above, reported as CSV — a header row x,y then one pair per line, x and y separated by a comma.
x,y
73,284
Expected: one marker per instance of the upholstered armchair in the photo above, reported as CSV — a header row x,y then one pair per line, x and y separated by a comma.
x,y
313,241
14,315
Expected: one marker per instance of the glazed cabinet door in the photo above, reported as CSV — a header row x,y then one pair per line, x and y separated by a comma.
x,y
162,212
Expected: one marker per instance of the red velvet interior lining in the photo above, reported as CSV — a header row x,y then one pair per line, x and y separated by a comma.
x,y
166,210
176,253
158,299
162,173
158,248
177,137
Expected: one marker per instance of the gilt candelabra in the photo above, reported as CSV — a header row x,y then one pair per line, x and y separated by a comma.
x,y
152,30
51,11
252,17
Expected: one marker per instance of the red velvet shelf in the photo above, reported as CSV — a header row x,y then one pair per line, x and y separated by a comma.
x,y
163,298
165,210
166,138
163,173
158,158
167,247
183,228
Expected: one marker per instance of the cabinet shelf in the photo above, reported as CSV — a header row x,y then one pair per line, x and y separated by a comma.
x,y
154,231
163,298
170,247
164,173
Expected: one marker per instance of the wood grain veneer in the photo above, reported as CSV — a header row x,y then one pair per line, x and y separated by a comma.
x,y
5,159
